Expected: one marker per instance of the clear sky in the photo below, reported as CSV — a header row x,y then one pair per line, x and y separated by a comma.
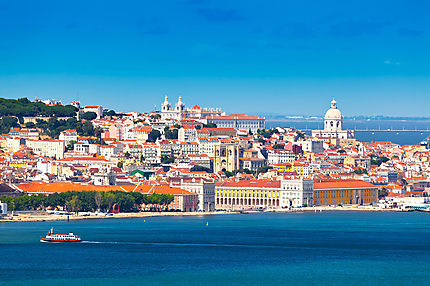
x,y
281,57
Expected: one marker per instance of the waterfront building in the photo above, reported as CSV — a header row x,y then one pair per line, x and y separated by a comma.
x,y
333,124
3,209
184,200
204,188
334,192
297,192
264,193
238,122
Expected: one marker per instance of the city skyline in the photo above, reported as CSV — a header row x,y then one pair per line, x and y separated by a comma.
x,y
371,57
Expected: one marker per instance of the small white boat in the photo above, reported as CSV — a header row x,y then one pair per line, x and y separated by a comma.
x,y
53,237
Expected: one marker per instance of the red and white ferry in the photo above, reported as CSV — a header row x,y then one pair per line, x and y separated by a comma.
x,y
52,237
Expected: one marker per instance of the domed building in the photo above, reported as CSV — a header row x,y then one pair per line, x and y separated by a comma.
x,y
333,123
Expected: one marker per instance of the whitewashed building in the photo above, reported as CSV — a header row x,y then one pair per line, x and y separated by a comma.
x,y
238,122
204,188
277,156
47,148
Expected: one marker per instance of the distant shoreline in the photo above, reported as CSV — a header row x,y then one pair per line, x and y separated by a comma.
x,y
34,217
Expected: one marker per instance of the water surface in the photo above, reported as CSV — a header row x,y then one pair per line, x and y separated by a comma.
x,y
336,248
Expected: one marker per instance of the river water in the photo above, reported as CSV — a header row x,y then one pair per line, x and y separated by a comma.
x,y
379,130
335,248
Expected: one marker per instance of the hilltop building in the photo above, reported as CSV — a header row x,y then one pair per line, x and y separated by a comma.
x,y
238,122
333,123
178,113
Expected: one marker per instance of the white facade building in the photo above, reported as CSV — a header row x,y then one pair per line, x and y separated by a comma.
x,y
207,146
47,148
3,209
68,136
187,134
189,148
297,192
333,121
205,190
238,122
178,113
277,156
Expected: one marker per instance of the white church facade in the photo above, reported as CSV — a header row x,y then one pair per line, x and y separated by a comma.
x,y
333,124
178,113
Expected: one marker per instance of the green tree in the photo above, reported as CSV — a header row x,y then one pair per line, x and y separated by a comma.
x,y
9,201
89,116
210,125
6,123
167,160
108,200
382,193
198,168
98,200
263,169
30,124
74,204
153,135
228,173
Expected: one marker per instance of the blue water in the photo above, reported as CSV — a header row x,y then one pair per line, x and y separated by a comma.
x,y
336,248
382,126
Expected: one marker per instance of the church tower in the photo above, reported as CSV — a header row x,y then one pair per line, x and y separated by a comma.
x,y
180,106
165,106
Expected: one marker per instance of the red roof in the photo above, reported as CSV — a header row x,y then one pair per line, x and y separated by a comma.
x,y
342,184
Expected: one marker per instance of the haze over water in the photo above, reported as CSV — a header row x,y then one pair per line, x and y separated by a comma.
x,y
335,248
382,129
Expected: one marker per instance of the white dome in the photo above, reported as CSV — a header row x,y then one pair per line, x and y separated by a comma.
x,y
333,113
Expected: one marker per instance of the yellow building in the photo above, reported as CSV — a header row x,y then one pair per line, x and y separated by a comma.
x,y
296,167
245,193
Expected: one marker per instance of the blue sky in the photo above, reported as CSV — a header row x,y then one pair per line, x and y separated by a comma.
x,y
281,57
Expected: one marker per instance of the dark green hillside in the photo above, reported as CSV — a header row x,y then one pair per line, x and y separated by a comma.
x,y
23,107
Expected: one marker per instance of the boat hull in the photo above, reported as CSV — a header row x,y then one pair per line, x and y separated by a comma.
x,y
57,240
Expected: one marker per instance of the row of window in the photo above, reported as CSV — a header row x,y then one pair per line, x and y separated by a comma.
x,y
343,193
247,193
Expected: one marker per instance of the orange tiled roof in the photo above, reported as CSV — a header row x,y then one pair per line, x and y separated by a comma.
x,y
342,184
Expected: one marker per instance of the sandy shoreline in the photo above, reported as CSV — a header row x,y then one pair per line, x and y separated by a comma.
x,y
42,216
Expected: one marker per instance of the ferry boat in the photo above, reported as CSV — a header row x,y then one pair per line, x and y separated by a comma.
x,y
52,237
